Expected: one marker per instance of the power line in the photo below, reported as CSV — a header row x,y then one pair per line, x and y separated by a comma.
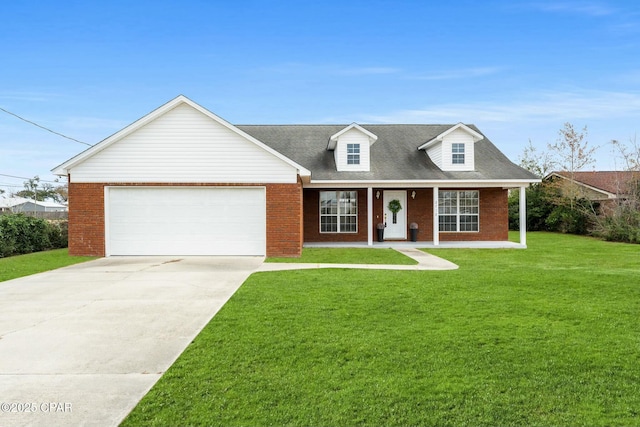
x,y
22,177
45,128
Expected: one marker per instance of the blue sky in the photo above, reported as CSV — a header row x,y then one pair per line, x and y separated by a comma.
x,y
517,69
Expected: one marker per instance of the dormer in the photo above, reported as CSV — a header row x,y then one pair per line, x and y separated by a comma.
x,y
351,148
453,149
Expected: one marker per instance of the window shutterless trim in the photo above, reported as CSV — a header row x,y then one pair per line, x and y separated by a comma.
x,y
457,153
456,208
341,199
353,154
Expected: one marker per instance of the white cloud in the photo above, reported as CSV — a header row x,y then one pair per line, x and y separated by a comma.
x,y
575,7
550,106
359,71
28,96
332,69
464,73
97,123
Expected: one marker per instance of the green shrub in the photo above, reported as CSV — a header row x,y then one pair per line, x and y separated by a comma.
x,y
566,220
22,234
59,234
539,207
621,226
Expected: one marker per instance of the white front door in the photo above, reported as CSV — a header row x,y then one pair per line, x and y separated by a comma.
x,y
396,223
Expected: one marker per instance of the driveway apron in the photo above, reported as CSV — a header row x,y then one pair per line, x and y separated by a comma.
x,y
83,344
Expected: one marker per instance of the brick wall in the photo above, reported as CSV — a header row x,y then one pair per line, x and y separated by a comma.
x,y
312,220
494,220
87,221
420,211
284,220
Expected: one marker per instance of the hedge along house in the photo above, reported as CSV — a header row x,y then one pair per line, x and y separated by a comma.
x,y
182,181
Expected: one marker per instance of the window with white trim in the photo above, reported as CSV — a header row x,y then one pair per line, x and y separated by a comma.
x,y
353,154
457,153
338,211
459,210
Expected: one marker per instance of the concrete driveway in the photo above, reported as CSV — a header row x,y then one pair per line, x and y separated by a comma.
x,y
81,345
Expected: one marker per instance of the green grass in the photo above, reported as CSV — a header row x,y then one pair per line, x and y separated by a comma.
x,y
24,265
348,256
544,336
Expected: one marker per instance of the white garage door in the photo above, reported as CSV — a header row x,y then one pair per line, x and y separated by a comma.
x,y
185,221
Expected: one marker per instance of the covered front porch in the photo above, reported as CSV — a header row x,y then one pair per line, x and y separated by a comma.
x,y
456,215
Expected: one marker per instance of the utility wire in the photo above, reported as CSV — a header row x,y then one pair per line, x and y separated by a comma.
x,y
45,128
22,177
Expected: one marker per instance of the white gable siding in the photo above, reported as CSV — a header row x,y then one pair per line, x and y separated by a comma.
x,y
352,136
441,153
435,154
458,136
186,146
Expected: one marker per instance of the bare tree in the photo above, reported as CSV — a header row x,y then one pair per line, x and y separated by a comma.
x,y
572,153
539,163
620,221
628,153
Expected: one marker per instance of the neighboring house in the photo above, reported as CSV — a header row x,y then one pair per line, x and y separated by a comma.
x,y
20,204
597,186
182,181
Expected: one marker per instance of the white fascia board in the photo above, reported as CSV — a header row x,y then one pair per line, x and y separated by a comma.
x,y
417,183
476,135
63,169
333,139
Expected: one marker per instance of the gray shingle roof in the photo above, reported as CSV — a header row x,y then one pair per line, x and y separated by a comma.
x,y
394,156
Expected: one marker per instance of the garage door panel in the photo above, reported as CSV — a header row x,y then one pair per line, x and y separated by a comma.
x,y
186,221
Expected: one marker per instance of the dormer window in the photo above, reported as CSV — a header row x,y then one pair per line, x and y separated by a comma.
x,y
457,154
453,149
351,148
353,154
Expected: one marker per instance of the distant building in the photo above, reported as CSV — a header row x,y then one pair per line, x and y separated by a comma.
x,y
20,204
597,186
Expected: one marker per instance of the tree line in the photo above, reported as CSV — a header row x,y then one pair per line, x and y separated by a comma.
x,y
560,205
36,190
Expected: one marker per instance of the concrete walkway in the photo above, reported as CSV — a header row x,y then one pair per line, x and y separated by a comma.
x,y
425,262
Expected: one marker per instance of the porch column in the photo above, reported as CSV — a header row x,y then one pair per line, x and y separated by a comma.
x,y
523,216
370,216
436,223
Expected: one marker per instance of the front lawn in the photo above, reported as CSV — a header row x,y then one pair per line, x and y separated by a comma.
x,y
544,336
349,256
37,262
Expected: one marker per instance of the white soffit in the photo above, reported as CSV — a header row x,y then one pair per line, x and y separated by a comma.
x,y
477,136
333,140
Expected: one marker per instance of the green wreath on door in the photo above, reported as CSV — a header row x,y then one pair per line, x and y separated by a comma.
x,y
394,206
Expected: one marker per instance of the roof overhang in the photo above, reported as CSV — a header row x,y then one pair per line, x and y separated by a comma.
x,y
477,136
418,183
64,168
333,139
